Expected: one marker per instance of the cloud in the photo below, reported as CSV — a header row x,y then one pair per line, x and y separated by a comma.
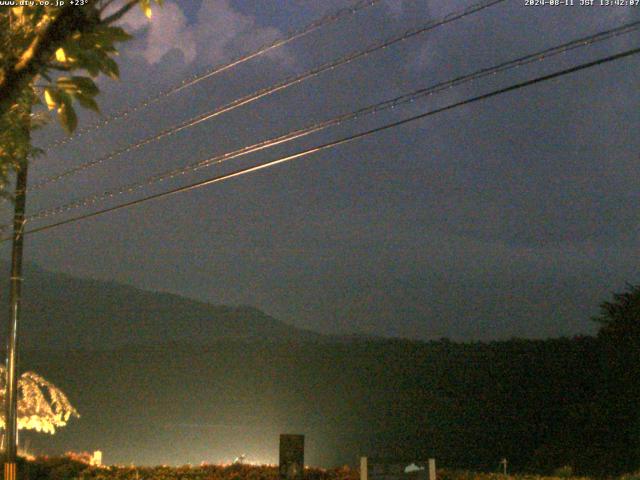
x,y
220,32
223,33
168,30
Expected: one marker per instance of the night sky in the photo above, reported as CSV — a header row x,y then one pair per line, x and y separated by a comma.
x,y
514,216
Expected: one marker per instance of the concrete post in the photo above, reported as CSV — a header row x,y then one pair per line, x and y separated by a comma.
x,y
363,468
432,469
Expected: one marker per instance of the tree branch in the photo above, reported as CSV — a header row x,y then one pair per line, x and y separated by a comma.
x,y
105,5
120,13
47,40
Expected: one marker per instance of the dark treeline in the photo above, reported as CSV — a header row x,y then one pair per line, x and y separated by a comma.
x,y
542,404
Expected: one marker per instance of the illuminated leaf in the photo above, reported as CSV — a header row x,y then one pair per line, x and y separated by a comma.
x,y
145,5
66,84
76,85
48,97
61,56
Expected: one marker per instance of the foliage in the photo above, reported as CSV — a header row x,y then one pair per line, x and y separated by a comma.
x,y
41,405
620,318
619,392
563,472
62,468
446,474
42,48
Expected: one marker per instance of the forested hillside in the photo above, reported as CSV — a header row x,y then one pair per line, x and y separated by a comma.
x,y
161,379
540,404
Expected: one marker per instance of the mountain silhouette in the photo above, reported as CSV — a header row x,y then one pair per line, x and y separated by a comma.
x,y
63,312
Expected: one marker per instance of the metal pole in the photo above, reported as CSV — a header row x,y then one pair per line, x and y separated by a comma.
x,y
11,396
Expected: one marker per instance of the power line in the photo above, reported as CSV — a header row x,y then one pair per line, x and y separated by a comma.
x,y
335,143
197,78
269,90
316,127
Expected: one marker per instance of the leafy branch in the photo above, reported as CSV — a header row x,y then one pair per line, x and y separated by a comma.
x,y
41,43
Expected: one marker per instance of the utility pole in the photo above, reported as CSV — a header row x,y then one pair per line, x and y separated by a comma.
x,y
504,463
11,395
11,380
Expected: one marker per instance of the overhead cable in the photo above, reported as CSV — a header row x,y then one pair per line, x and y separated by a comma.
x,y
215,70
252,97
335,143
337,120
